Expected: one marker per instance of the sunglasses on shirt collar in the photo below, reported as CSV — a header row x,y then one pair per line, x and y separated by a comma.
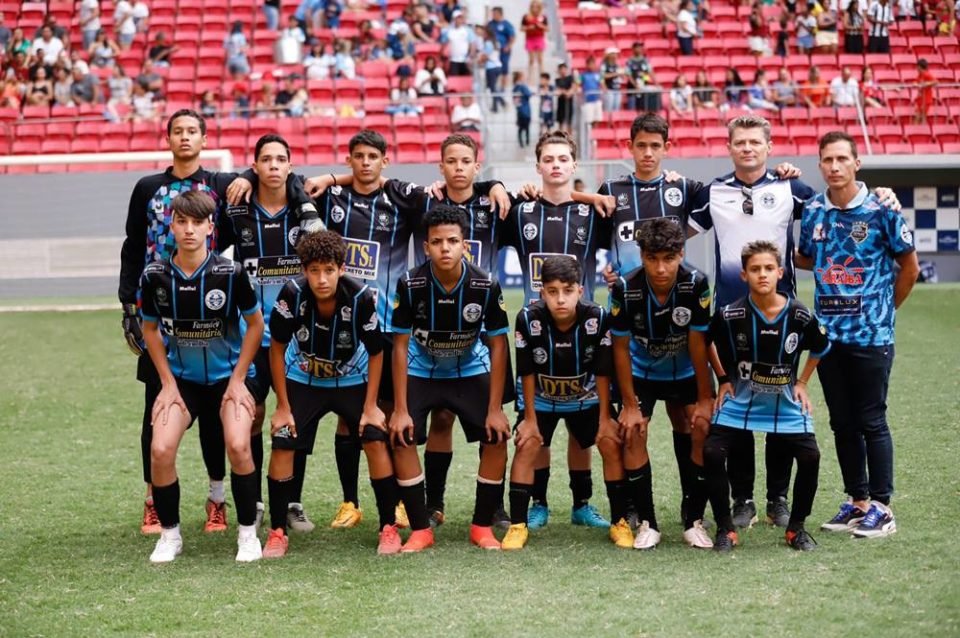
x,y
747,193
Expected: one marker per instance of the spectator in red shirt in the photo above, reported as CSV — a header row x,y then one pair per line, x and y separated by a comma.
x,y
926,81
534,26
870,92
815,92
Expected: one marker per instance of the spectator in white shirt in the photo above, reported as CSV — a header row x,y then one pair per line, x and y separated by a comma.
x,y
49,44
880,17
461,42
844,88
124,23
466,116
686,27
89,21
430,80
141,16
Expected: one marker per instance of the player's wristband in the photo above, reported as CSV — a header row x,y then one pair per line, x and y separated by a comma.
x,y
334,178
723,378
803,381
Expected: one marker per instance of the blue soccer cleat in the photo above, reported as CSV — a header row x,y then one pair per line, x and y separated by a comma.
x,y
538,516
588,516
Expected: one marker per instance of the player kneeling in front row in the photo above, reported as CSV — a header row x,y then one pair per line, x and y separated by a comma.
x,y
326,355
659,319
444,305
759,339
204,367
564,367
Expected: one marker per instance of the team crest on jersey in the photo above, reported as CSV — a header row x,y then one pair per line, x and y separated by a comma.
x,y
681,316
303,334
527,207
582,233
906,236
421,310
588,354
293,235
535,328
622,200
530,232
246,235
741,341
215,299
519,340
472,312
819,234
302,310
768,200
383,220
592,325
336,190
791,343
705,299
482,217
346,313
337,214
539,356
583,210
859,231
282,309
673,196
161,296
344,338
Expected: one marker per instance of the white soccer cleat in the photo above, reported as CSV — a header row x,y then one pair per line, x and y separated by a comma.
x,y
168,547
697,537
248,548
647,537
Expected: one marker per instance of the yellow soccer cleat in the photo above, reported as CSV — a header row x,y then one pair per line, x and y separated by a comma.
x,y
621,534
516,537
349,515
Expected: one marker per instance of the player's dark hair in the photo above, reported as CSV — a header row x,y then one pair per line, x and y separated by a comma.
x,y
562,268
649,123
322,246
839,136
443,215
187,113
366,137
462,140
660,235
557,137
270,138
193,204
759,247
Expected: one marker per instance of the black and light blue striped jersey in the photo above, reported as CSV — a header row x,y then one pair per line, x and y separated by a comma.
x,y
264,245
761,357
539,229
638,201
332,351
199,315
776,204
445,326
377,229
565,364
483,238
659,331
854,254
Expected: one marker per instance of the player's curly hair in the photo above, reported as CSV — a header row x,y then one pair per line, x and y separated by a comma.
x,y
660,235
557,137
759,247
323,246
444,214
193,204
562,268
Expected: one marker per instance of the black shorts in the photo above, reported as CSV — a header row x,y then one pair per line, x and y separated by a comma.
x,y
467,398
582,425
147,372
510,380
203,401
262,378
385,393
310,404
681,391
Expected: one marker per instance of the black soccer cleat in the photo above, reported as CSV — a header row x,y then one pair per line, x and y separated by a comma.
x,y
744,513
778,512
800,540
725,541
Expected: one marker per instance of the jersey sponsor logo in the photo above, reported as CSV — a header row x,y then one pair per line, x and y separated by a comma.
x,y
669,346
319,367
474,251
563,388
155,267
906,236
444,344
303,334
527,207
223,269
734,313
530,231
421,312
768,200
363,258
416,282
336,190
539,356
673,196
215,299
272,270
183,288
583,210
768,378
681,316
480,284
337,214
192,333
535,265
519,340
791,343
535,329
592,325
346,313
237,211
282,309
472,312
272,226
246,236
859,231
554,218
802,314
841,274
626,232
819,234
840,305
741,340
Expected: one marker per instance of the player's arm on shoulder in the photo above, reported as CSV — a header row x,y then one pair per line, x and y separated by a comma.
x,y
605,205
318,185
887,197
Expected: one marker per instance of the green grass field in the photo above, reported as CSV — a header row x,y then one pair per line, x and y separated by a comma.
x,y
72,561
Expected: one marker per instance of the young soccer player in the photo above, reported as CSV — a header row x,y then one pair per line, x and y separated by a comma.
x,y
444,305
660,315
204,368
854,243
326,355
563,367
759,339
556,224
